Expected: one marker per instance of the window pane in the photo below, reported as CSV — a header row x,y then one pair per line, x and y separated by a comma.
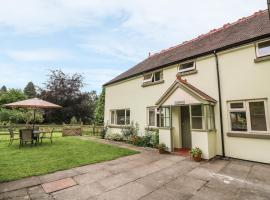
x,y
158,120
237,105
264,48
148,77
120,117
151,119
211,118
257,116
127,116
112,117
197,123
238,121
186,66
157,76
196,110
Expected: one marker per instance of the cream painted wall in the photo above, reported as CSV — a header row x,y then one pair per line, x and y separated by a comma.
x,y
177,143
242,78
131,94
165,137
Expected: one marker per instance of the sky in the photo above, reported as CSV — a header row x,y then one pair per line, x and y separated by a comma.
x,y
99,38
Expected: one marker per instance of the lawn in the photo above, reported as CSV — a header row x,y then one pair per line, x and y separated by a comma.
x,y
64,153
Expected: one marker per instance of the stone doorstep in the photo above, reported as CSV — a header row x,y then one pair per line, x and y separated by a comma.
x,y
58,185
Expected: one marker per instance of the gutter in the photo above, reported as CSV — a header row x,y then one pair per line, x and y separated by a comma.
x,y
220,104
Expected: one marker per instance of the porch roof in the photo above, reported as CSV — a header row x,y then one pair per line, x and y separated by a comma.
x,y
188,88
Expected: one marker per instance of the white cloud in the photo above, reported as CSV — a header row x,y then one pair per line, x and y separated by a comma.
x,y
39,55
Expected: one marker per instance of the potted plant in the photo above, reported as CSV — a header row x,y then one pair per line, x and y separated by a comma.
x,y
196,154
161,148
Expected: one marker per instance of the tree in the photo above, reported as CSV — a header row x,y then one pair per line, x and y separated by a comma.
x,y
3,89
99,111
11,95
65,90
30,90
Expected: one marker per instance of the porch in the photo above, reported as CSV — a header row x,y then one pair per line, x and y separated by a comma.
x,y
187,119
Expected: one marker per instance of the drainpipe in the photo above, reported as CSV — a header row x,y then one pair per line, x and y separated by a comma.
x,y
268,4
220,105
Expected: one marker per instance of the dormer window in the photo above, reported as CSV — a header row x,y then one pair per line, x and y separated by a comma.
x,y
153,77
188,66
263,49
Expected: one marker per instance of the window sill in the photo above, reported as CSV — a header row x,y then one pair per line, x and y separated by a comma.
x,y
152,83
165,128
261,59
118,126
151,128
249,135
194,71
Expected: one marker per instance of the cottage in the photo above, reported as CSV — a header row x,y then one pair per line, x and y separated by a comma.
x,y
212,92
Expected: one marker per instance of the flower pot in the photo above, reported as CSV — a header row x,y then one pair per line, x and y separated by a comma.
x,y
197,158
161,151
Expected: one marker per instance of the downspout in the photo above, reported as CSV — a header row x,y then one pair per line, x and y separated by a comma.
x,y
268,5
220,104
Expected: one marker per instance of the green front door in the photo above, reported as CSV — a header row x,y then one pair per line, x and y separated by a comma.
x,y
185,127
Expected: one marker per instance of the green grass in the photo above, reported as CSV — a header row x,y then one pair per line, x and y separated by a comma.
x,y
64,153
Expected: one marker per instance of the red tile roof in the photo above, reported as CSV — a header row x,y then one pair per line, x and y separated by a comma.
x,y
247,29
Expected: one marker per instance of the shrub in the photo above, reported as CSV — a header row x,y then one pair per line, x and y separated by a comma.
x,y
153,135
103,132
114,137
131,130
73,120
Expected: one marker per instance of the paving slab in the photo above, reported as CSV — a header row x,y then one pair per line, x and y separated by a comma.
x,y
91,177
130,191
118,180
58,175
15,185
58,185
79,192
17,194
236,171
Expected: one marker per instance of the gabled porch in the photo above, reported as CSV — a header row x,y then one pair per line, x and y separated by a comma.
x,y
187,117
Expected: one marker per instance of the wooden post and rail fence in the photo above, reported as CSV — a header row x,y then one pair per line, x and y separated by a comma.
x,y
65,129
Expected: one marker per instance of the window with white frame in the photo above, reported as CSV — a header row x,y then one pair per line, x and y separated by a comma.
x,y
197,116
153,77
263,48
248,116
165,117
189,66
153,116
120,117
210,117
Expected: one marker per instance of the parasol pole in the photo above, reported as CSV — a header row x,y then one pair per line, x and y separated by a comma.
x,y
34,119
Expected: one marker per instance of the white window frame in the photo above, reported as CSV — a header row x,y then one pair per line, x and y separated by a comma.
x,y
257,49
149,79
247,110
115,117
188,69
153,78
203,116
148,115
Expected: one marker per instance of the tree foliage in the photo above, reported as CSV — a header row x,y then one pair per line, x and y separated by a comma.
x,y
99,111
30,90
16,115
11,95
65,90
3,88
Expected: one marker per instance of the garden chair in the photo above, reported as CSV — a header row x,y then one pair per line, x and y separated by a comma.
x,y
11,136
47,135
26,135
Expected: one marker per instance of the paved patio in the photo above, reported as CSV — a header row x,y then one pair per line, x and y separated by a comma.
x,y
149,175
